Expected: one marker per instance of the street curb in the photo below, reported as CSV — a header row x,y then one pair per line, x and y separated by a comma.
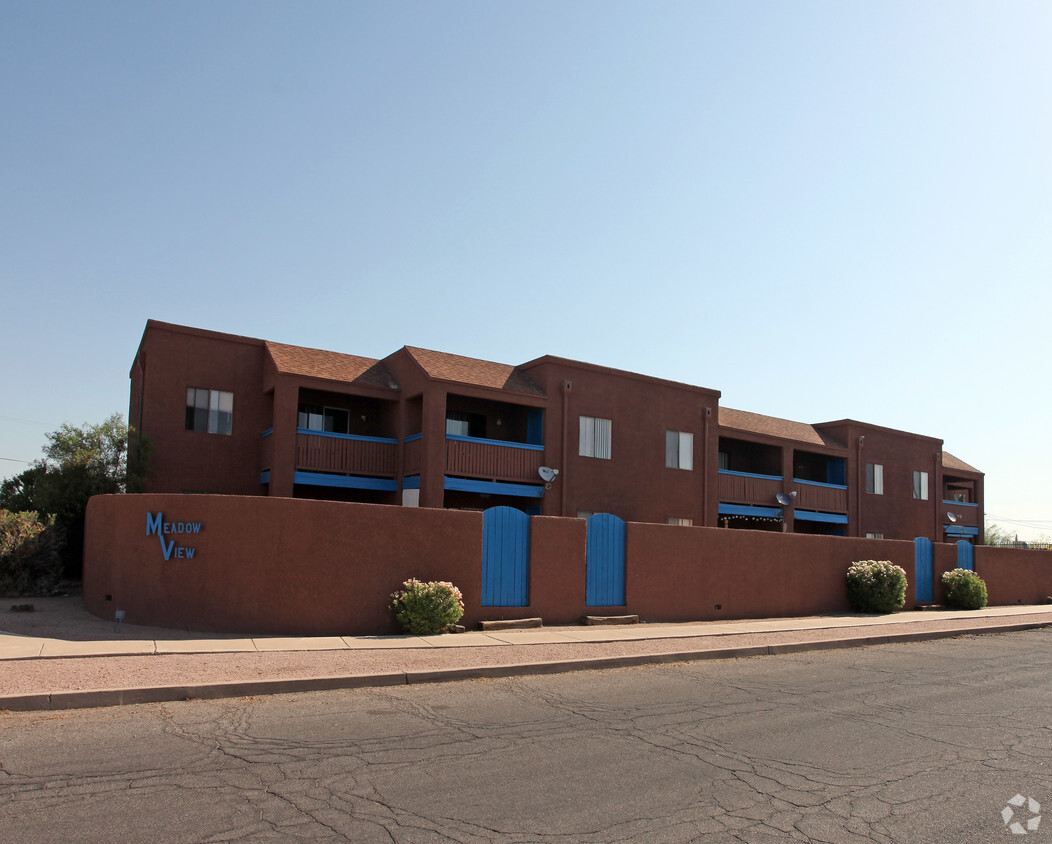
x,y
83,699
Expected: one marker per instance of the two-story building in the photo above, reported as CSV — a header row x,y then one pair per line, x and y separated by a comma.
x,y
241,416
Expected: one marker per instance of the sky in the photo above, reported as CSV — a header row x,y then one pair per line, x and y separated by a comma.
x,y
825,210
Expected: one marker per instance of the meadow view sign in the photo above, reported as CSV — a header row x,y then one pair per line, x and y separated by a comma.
x,y
157,526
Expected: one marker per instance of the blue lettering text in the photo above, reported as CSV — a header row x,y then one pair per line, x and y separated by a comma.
x,y
153,523
166,549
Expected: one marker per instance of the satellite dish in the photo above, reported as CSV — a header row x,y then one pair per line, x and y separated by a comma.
x,y
784,498
952,517
547,474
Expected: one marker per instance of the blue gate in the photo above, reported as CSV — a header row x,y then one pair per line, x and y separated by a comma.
x,y
923,569
505,557
965,555
605,566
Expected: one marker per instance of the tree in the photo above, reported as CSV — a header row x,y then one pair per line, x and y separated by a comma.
x,y
997,535
79,462
18,494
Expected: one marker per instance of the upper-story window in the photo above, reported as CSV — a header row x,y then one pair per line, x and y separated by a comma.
x,y
461,424
874,479
332,420
679,450
209,410
595,437
920,486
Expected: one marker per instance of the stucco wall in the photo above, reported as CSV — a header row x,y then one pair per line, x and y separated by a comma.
x,y
298,567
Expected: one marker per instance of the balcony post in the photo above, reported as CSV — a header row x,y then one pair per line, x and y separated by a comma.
x,y
788,472
433,449
286,407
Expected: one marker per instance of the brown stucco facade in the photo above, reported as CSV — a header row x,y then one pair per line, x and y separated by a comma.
x,y
429,430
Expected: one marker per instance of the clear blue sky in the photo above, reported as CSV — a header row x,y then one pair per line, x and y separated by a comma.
x,y
823,209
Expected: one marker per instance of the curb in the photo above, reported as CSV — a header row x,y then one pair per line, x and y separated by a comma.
x,y
86,699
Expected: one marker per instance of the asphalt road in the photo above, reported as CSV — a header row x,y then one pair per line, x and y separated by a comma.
x,y
920,742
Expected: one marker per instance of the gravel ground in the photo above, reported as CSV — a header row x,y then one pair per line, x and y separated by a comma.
x,y
65,618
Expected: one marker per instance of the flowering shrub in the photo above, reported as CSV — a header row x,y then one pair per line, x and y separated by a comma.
x,y
427,608
29,554
965,590
876,586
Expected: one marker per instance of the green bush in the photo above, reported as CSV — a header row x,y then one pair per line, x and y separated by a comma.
x,y
427,608
965,590
30,562
876,586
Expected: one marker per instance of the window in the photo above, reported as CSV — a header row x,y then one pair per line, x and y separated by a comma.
x,y
874,536
209,410
595,437
874,479
679,450
672,520
461,424
725,461
920,486
333,420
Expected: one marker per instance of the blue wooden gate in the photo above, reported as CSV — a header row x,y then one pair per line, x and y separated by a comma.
x,y
923,569
505,557
605,566
965,555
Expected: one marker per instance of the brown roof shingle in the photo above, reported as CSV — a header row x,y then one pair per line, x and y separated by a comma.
x,y
332,366
481,373
951,462
772,426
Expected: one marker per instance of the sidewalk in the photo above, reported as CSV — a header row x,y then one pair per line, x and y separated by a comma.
x,y
93,665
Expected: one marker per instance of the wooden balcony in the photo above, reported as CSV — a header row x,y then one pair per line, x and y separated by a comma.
x,y
827,498
747,488
344,453
967,514
493,460
412,455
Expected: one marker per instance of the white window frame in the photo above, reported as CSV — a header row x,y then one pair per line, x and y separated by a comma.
x,y
875,478
920,485
679,450
874,536
673,520
595,438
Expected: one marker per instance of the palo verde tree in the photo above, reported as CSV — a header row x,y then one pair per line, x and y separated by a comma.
x,y
79,462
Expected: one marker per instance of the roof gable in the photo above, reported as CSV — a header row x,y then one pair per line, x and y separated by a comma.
x,y
331,366
772,426
956,464
480,373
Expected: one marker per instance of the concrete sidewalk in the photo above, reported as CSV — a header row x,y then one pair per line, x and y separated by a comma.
x,y
14,646
528,651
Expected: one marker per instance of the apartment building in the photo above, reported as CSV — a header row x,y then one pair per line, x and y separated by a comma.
x,y
242,416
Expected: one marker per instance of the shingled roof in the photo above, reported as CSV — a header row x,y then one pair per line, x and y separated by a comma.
x,y
332,366
481,373
951,462
772,426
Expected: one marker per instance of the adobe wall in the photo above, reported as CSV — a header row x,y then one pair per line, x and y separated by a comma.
x,y
271,565
1015,575
267,565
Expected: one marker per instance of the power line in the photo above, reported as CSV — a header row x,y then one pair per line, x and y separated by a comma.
x,y
15,460
1037,524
